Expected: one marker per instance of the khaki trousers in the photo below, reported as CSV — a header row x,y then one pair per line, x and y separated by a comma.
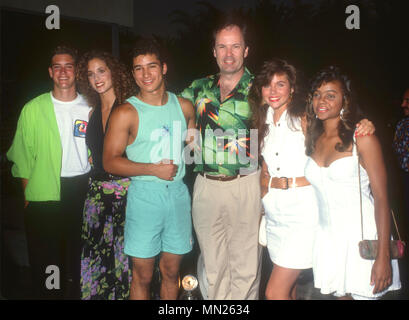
x,y
226,218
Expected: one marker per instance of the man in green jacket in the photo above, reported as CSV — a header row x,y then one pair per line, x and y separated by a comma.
x,y
49,154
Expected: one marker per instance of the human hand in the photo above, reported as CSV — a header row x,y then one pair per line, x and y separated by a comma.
x,y
381,275
25,203
165,169
364,128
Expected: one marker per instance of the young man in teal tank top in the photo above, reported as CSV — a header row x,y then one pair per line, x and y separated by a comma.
x,y
149,127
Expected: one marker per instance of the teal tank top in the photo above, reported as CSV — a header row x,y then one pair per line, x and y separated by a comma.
x,y
161,135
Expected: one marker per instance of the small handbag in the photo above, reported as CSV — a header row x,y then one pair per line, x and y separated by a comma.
x,y
368,249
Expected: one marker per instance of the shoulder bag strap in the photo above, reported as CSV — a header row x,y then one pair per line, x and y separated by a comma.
x,y
355,151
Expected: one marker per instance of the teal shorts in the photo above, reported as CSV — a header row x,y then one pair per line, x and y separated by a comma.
x,y
158,219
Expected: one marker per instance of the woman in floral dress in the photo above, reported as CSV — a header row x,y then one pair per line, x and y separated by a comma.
x,y
105,270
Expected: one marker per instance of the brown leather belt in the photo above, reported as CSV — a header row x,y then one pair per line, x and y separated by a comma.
x,y
286,183
222,178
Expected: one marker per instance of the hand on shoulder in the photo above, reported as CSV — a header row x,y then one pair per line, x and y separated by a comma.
x,y
364,128
365,141
370,152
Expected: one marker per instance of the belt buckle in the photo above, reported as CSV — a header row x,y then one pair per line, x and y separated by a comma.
x,y
226,178
286,182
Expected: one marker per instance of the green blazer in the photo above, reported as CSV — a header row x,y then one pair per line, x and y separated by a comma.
x,y
36,150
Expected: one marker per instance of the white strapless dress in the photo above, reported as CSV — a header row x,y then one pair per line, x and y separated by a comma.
x,y
338,268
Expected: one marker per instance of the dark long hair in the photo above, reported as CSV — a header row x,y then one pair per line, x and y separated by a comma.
x,y
350,115
259,108
122,81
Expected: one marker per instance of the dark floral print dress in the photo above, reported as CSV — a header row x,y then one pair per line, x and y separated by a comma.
x,y
105,269
105,272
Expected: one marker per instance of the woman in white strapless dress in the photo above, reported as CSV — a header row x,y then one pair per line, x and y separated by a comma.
x,y
288,198
332,169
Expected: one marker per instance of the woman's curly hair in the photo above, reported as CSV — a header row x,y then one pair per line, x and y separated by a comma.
x,y
350,113
122,81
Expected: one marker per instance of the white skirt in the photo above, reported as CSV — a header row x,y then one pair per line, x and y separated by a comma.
x,y
291,223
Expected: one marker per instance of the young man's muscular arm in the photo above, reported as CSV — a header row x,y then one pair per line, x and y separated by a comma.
x,y
189,113
122,131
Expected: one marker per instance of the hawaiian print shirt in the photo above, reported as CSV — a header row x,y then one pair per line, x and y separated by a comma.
x,y
401,143
224,146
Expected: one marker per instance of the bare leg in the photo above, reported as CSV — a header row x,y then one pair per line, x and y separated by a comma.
x,y
142,271
169,267
281,285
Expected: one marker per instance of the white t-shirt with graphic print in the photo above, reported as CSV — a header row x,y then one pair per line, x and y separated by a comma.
x,y
72,120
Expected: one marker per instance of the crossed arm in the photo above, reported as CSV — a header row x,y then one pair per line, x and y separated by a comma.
x,y
122,131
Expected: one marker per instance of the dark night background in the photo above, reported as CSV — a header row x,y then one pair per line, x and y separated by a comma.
x,y
309,34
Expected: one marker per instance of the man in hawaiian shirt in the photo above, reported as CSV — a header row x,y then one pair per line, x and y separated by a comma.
x,y
226,197
401,147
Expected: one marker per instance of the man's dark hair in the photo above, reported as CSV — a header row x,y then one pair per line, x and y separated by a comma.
x,y
63,49
146,46
231,20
